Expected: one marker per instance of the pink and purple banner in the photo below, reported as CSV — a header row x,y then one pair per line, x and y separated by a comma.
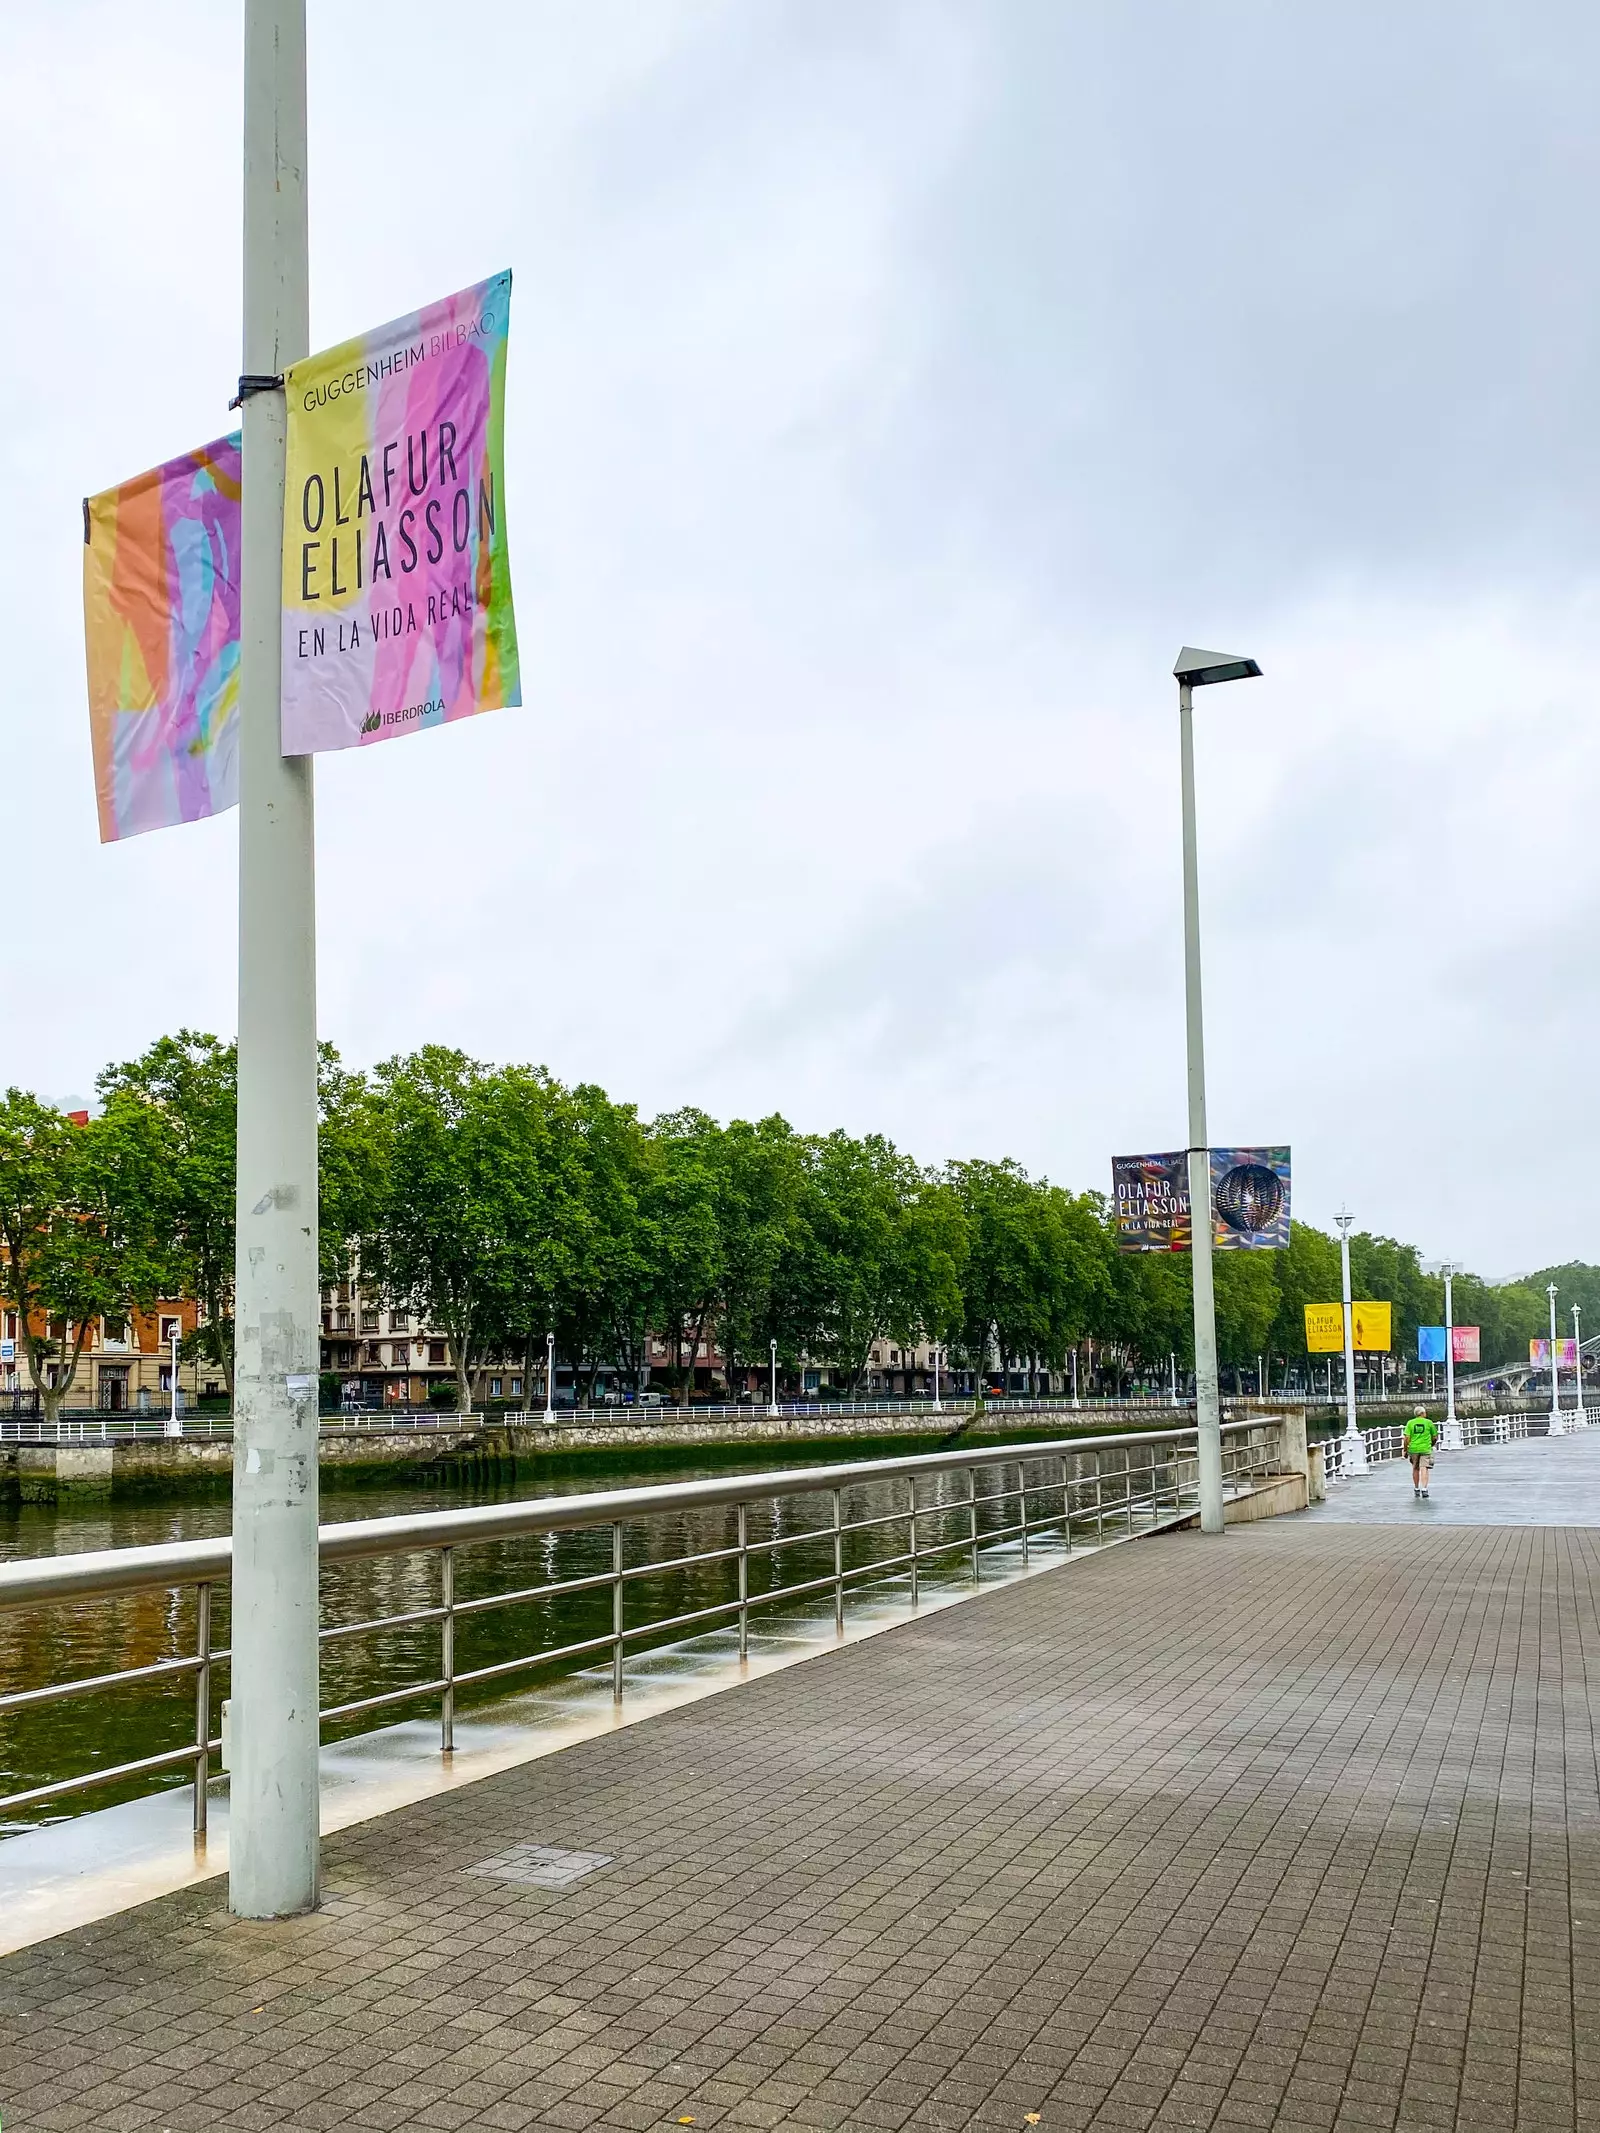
x,y
161,637
397,607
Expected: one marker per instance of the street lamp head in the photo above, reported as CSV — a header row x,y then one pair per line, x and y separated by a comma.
x,y
1344,1218
1550,1290
1199,669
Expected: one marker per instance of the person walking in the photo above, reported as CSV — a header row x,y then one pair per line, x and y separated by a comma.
x,y
1422,1434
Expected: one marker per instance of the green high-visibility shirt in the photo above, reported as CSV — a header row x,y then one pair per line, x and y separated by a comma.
x,y
1421,1436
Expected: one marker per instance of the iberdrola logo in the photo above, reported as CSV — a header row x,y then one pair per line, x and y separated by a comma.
x,y
372,722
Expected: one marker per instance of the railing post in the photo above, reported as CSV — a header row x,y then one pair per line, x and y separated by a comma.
x,y
838,1566
1022,1499
447,1651
202,1704
744,1582
1099,1503
616,1614
911,1487
1066,1504
972,1520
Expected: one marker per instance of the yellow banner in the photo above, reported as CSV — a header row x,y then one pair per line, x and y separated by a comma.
x,y
1370,1329
1324,1329
1370,1325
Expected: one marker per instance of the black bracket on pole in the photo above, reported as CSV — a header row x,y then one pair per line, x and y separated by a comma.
x,y
250,384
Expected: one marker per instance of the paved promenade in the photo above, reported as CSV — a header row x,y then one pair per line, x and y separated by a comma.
x,y
1298,1828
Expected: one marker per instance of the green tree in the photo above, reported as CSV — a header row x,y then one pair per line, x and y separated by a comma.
x,y
85,1222
190,1084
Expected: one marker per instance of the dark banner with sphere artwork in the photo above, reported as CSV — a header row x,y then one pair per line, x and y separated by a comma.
x,y
1249,1200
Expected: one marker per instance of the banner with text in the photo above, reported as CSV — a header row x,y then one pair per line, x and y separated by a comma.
x,y
1370,1328
161,641
1464,1344
1249,1200
397,609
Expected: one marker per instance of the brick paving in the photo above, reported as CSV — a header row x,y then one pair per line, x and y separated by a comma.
x,y
1299,1829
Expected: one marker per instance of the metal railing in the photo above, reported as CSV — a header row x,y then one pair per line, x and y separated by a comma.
x,y
1387,1441
1084,1492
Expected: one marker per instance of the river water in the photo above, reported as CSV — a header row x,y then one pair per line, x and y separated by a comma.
x,y
49,1742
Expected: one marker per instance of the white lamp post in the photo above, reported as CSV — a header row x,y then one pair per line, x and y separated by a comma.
x,y
1579,1420
550,1377
174,1425
1450,1436
1198,670
1355,1445
1557,1428
772,1397
938,1404
1172,1377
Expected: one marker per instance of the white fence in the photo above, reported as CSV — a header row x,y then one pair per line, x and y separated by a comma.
x,y
1387,1440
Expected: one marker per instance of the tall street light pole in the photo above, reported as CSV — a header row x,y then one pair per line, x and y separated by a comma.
x,y
1450,1437
549,1378
1556,1429
772,1394
1355,1445
273,1831
1580,1420
1197,670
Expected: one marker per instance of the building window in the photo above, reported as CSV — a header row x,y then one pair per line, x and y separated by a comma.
x,y
516,1388
344,1322
494,1389
369,1321
402,1354
399,1322
436,1351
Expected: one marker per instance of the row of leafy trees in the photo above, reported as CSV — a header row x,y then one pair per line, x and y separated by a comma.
x,y
497,1202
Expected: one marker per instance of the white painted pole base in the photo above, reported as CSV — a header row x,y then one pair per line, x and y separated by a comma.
x,y
1355,1449
1450,1438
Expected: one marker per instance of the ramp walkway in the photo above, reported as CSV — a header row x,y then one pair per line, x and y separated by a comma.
x,y
1296,1828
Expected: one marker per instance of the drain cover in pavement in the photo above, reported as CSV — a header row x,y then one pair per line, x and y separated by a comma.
x,y
540,1866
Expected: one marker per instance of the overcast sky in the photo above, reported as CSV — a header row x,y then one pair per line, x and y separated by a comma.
x,y
894,387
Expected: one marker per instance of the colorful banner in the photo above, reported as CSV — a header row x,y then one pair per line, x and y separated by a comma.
x,y
1250,1199
1324,1329
1566,1354
1370,1328
161,637
1151,1196
1464,1344
396,574
1430,1344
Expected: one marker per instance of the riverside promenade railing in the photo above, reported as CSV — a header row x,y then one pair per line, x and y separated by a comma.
x,y
1387,1440
930,1510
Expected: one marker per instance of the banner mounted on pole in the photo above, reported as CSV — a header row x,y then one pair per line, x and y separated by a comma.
x,y
1430,1344
1566,1354
1464,1344
1370,1328
161,640
397,609
1249,1200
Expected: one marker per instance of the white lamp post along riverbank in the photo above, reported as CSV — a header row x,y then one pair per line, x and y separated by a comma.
x,y
772,1396
1199,670
549,1377
1579,1419
1450,1436
1557,1429
1355,1445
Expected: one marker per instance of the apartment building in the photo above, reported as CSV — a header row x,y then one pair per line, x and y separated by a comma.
x,y
126,1365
